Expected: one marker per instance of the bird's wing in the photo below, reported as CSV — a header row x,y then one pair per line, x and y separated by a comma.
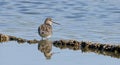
x,y
45,28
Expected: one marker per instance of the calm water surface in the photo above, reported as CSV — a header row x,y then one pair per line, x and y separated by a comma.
x,y
88,20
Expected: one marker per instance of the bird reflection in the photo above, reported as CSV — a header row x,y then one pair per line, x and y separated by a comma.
x,y
45,46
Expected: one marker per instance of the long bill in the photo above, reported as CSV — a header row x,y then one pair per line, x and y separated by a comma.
x,y
56,23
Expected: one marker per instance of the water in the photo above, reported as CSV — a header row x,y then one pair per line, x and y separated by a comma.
x,y
88,20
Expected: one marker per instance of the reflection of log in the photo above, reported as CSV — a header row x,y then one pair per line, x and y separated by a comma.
x,y
71,44
105,49
114,54
4,38
19,40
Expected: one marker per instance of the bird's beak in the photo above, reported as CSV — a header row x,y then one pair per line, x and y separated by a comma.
x,y
55,23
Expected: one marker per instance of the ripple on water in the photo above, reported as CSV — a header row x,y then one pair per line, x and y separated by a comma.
x,y
3,3
32,13
87,20
31,2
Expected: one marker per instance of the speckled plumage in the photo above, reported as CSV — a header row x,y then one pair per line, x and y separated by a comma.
x,y
45,30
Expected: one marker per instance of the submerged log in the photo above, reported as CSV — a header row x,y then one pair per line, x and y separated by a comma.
x,y
32,41
83,44
105,49
4,38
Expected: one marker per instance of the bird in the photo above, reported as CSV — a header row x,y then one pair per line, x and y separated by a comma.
x,y
45,30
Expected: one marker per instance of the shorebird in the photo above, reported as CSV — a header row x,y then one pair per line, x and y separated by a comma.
x,y
45,30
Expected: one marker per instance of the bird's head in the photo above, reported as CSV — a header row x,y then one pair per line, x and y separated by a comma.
x,y
50,21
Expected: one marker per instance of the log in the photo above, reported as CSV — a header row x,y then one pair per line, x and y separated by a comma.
x,y
104,49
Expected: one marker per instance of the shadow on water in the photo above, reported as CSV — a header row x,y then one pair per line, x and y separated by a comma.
x,y
45,46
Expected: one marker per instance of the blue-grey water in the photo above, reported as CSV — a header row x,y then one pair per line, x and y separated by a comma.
x,y
87,20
